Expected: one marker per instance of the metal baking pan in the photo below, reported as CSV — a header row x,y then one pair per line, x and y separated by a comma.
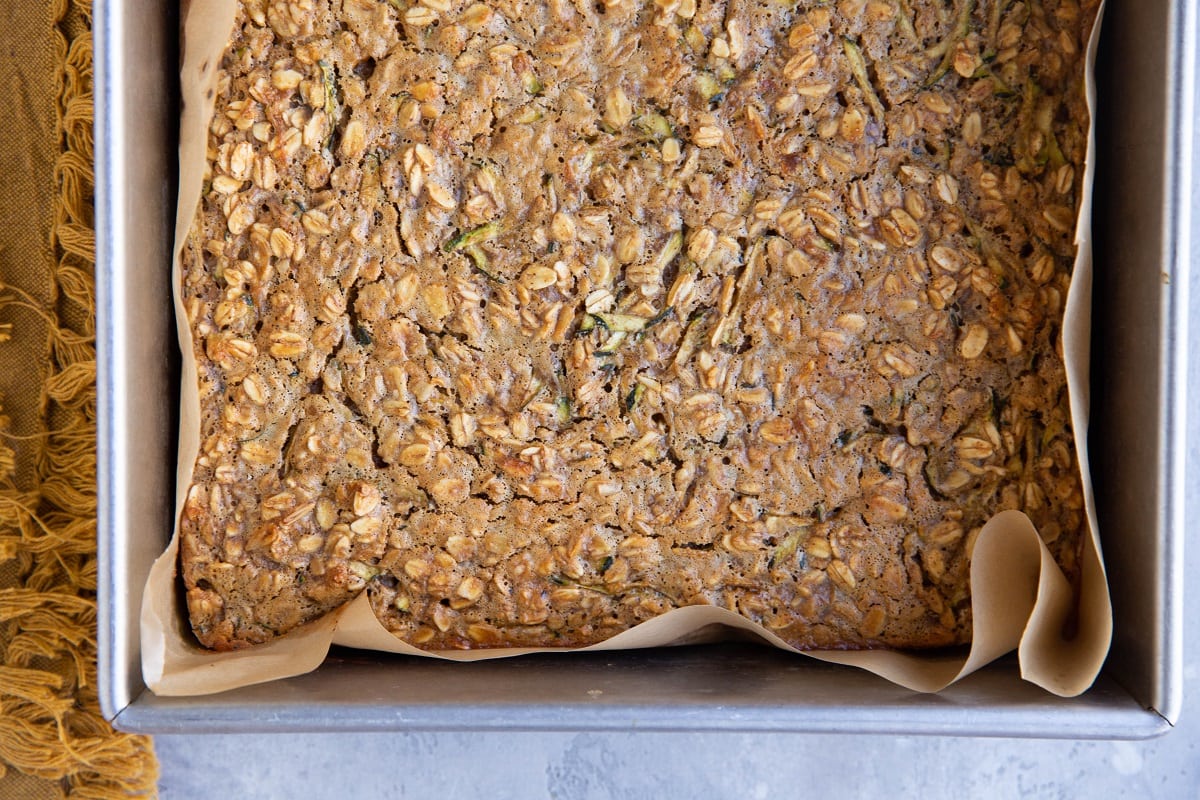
x,y
1142,233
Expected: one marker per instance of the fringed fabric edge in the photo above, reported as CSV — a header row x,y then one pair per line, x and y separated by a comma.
x,y
50,722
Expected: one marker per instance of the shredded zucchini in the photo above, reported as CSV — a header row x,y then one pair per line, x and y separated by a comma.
x,y
858,68
946,47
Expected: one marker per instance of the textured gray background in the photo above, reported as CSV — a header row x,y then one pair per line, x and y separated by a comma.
x,y
612,766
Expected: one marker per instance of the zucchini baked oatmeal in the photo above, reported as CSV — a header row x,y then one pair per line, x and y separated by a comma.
x,y
535,320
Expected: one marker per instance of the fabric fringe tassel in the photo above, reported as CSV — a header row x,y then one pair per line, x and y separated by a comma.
x,y
50,722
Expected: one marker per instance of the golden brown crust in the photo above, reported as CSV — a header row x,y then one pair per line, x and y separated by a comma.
x,y
539,319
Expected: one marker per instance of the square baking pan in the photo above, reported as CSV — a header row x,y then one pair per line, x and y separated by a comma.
x,y
1142,226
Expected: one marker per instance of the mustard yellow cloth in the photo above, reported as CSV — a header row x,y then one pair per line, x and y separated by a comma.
x,y
53,740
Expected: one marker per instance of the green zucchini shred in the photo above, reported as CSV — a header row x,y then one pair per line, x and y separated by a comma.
x,y
946,47
329,78
654,125
787,548
474,236
631,399
612,344
531,83
621,322
858,68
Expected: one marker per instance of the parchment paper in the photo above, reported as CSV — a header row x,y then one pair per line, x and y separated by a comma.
x,y
1019,597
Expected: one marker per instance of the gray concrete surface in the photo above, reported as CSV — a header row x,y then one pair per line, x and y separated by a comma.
x,y
612,766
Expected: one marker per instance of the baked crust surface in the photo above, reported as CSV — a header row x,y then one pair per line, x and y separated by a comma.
x,y
535,320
